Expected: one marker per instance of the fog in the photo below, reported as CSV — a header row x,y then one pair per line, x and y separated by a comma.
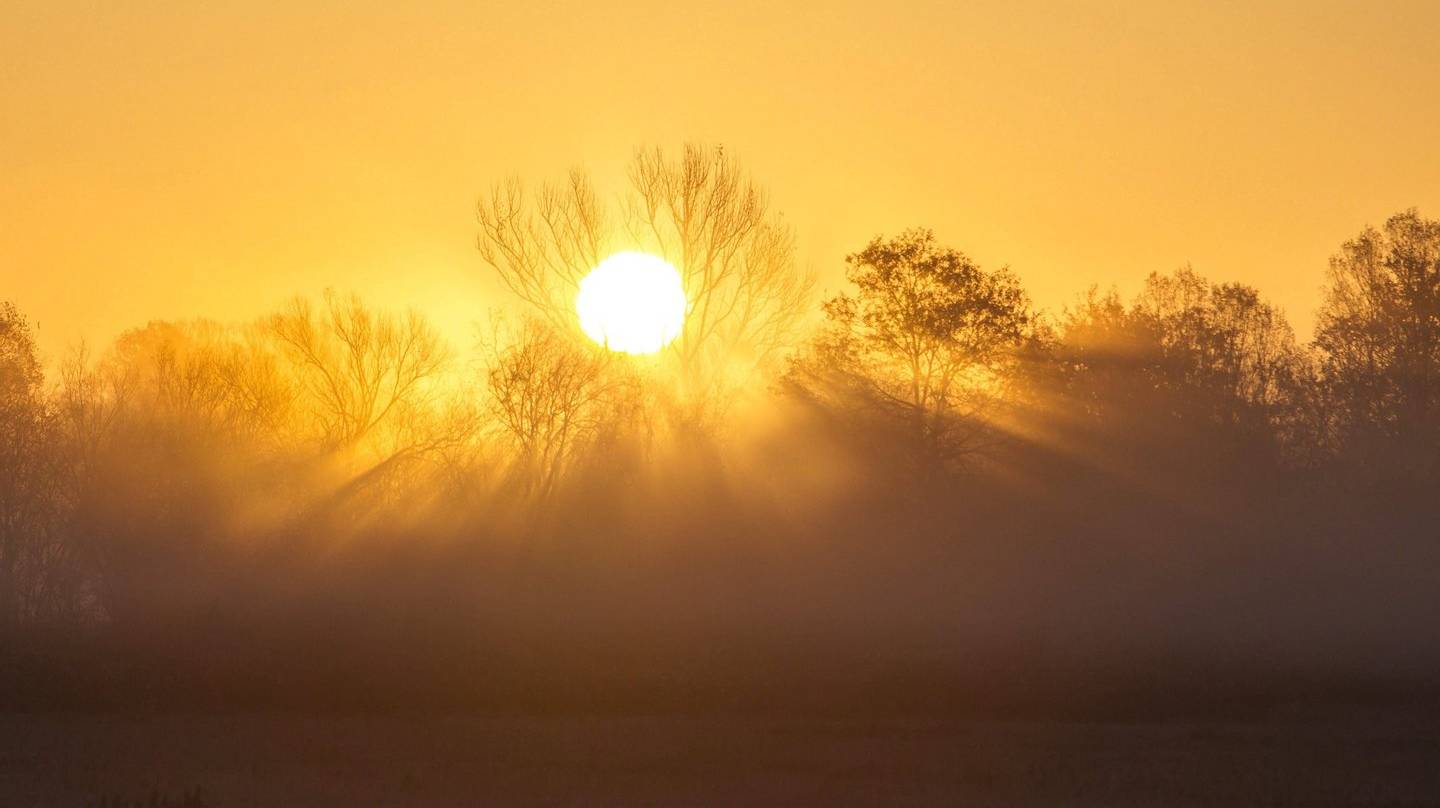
x,y
1165,504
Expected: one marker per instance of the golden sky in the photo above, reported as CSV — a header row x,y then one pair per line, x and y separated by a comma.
x,y
188,159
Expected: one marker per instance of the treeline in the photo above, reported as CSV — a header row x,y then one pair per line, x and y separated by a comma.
x,y
923,479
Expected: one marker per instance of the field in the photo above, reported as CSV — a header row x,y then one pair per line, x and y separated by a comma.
x,y
282,759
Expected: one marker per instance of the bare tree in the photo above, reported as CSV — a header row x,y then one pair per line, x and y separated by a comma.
x,y
551,395
203,378
704,215
359,369
541,251
701,213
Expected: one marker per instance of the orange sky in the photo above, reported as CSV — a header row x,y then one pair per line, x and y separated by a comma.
x,y
211,159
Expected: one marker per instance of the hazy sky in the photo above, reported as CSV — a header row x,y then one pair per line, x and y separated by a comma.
x,y
185,159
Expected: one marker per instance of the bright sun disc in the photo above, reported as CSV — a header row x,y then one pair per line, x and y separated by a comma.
x,y
633,303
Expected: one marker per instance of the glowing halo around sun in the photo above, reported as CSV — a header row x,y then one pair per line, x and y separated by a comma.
x,y
633,302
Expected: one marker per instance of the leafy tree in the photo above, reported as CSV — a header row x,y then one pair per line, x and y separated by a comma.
x,y
1229,353
926,337
27,523
1189,363
1379,336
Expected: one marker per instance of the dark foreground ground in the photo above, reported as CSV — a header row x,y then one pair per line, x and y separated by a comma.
x,y
284,760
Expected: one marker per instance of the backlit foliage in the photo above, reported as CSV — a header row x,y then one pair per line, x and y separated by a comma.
x,y
139,473
927,337
1379,340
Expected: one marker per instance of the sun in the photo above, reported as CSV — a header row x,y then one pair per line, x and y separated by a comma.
x,y
633,303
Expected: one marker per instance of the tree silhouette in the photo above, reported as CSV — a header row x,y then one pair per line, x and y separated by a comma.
x,y
927,337
550,395
1189,369
1379,336
27,472
702,214
360,369
203,378
1227,353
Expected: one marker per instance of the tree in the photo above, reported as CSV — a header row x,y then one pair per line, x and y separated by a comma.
x,y
927,337
201,378
27,519
360,370
551,396
1109,359
1379,337
374,390
1231,355
702,214
42,573
1188,363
